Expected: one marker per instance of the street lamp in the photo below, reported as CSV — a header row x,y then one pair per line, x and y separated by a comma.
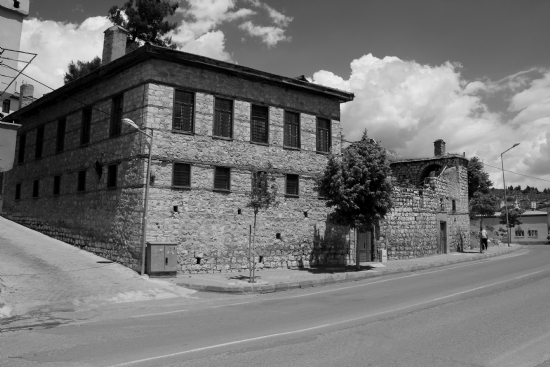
x,y
505,199
144,227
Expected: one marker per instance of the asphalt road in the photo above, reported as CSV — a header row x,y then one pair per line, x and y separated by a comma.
x,y
493,312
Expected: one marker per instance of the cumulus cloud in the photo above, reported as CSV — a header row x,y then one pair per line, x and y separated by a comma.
x,y
408,106
270,35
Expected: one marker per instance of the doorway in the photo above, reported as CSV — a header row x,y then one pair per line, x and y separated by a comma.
x,y
364,245
442,238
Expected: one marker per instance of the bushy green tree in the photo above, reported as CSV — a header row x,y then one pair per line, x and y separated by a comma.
x,y
478,179
80,68
518,187
357,185
145,20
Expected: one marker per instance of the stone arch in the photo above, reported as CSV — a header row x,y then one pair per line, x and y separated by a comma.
x,y
427,169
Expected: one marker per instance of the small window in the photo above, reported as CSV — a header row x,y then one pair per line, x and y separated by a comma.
x,y
21,153
259,178
222,178
323,135
112,176
184,105
181,176
18,191
223,119
39,147
116,116
259,124
86,126
60,142
81,185
6,106
292,130
35,188
292,185
454,206
322,194
56,185
16,4
520,233
533,233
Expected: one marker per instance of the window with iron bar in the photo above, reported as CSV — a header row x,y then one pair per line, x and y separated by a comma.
x,y
323,135
60,141
181,175
223,118
18,191
39,147
86,126
81,184
116,116
56,185
292,185
292,130
184,106
21,152
35,188
259,124
112,176
222,178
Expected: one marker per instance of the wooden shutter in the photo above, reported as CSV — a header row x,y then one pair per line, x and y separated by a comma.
x,y
292,130
222,177
184,104
292,185
223,119
259,122
323,135
181,175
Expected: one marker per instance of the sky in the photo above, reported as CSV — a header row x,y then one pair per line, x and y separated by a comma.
x,y
475,73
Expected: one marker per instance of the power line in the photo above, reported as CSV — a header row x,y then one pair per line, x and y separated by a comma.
x,y
500,169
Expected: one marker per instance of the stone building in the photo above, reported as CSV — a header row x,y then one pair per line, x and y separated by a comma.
x,y
80,173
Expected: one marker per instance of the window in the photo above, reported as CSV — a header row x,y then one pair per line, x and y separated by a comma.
x,y
16,4
56,185
35,188
39,142
533,233
223,118
454,206
292,185
81,184
184,105
323,135
259,179
18,191
116,116
222,178
259,124
520,233
322,194
6,106
292,130
86,126
60,142
181,175
21,153
112,176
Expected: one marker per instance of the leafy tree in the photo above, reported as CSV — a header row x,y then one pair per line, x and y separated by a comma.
x,y
510,188
514,218
478,179
80,68
527,189
357,185
518,187
145,20
262,197
482,205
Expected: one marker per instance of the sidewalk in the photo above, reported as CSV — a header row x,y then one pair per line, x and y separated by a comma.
x,y
268,281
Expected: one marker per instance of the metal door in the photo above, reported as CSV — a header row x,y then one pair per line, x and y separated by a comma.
x,y
157,258
171,258
442,237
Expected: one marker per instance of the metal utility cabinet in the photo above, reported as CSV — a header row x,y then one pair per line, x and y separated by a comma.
x,y
162,259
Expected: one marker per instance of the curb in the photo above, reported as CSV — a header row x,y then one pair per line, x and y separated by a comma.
x,y
346,277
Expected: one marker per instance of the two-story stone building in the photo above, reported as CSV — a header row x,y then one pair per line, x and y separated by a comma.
x,y
80,173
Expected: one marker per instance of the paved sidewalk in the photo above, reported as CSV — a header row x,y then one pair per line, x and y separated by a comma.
x,y
285,279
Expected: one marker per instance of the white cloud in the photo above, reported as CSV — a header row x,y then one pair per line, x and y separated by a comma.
x,y
408,106
211,44
270,35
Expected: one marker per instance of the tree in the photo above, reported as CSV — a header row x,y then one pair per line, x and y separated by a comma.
x,y
518,187
145,20
527,190
514,218
482,205
510,188
478,180
80,68
357,185
262,197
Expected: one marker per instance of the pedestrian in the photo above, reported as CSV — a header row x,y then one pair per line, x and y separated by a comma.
x,y
484,239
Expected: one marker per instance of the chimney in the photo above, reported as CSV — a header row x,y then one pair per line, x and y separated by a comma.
x,y
439,147
114,44
25,96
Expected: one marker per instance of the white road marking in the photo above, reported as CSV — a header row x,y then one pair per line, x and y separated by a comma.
x,y
322,325
158,313
231,304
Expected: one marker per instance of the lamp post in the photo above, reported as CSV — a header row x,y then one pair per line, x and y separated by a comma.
x,y
505,199
145,205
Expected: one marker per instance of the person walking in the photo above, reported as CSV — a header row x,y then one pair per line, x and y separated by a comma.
x,y
484,240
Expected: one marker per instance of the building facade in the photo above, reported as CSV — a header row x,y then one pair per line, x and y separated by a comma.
x,y
534,227
80,173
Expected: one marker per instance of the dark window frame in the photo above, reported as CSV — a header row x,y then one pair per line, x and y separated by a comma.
x,y
289,194
256,122
60,137
112,176
453,206
56,185
227,187
39,146
86,126
117,109
36,189
320,130
6,105
21,151
288,138
192,106
217,130
81,181
178,185
18,191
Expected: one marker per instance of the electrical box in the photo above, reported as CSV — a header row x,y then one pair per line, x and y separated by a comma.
x,y
162,259
383,255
